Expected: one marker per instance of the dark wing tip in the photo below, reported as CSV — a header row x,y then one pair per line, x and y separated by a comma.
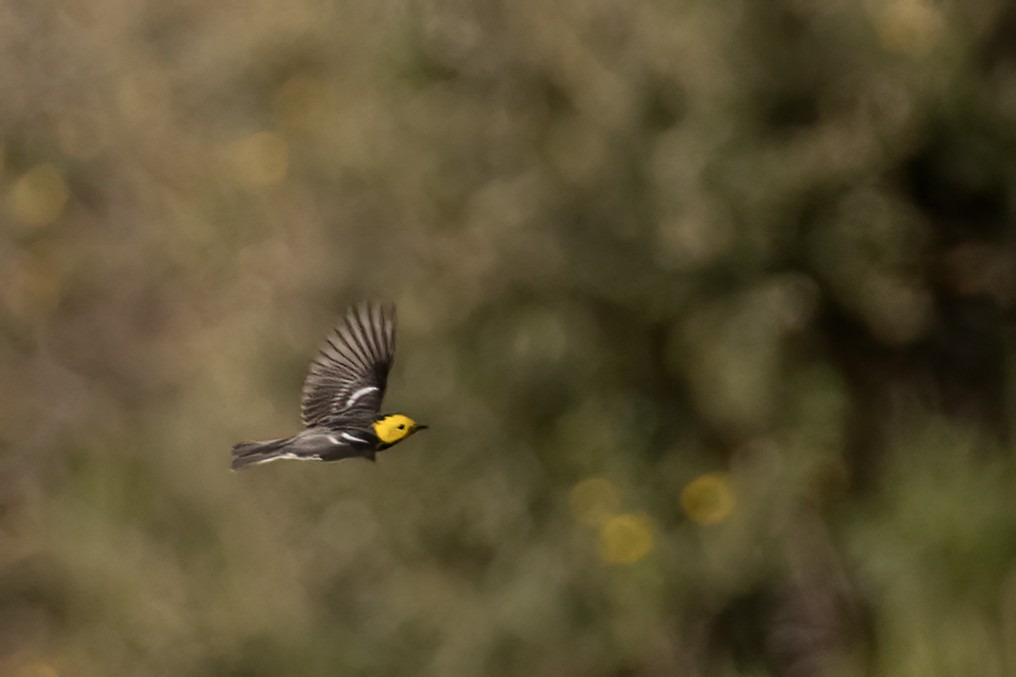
x,y
377,322
358,352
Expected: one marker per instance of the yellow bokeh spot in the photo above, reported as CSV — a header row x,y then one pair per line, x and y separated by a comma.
x,y
910,27
38,197
594,500
626,539
38,669
708,499
260,159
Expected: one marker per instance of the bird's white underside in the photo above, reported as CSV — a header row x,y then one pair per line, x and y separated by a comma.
x,y
289,456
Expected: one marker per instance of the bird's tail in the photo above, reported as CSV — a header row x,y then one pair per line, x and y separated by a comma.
x,y
252,453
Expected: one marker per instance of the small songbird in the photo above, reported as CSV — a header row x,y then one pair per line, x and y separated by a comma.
x,y
342,397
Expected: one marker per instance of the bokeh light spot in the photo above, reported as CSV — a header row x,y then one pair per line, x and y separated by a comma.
x,y
708,499
910,27
626,539
260,159
38,669
38,197
594,500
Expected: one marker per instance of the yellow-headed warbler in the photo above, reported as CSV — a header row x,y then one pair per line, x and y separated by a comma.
x,y
342,397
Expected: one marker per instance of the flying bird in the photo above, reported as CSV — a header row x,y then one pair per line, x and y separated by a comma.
x,y
342,397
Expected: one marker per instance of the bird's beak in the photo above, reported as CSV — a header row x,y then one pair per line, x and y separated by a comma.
x,y
420,426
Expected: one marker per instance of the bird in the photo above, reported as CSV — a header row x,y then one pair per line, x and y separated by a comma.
x,y
342,395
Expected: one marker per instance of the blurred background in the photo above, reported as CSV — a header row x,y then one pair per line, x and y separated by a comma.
x,y
707,305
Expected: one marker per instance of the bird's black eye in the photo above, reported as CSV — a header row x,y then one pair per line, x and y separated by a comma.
x,y
402,426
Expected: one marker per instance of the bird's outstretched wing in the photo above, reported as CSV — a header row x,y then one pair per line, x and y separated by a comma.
x,y
347,379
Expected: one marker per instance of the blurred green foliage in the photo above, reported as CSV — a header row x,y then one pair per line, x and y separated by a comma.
x,y
708,305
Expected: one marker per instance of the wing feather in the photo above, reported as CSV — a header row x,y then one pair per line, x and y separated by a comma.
x,y
348,376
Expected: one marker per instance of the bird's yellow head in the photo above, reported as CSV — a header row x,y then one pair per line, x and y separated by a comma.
x,y
395,428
